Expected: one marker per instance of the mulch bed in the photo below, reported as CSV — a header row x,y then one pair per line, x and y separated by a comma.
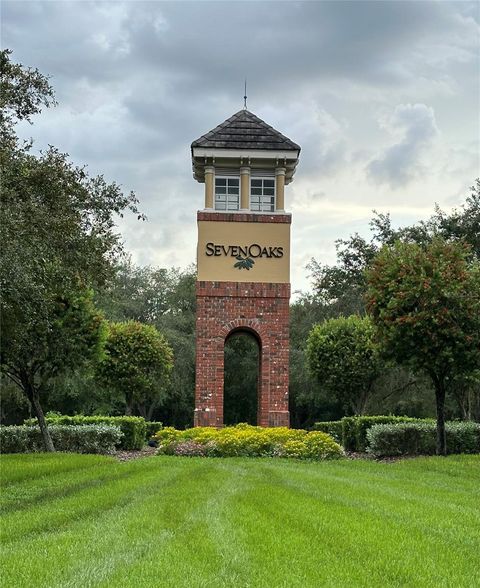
x,y
129,455
369,457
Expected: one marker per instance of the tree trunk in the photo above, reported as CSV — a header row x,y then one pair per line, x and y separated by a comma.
x,y
475,410
359,406
440,398
150,410
146,410
462,397
33,396
142,411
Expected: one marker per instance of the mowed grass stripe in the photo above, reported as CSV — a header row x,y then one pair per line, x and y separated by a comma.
x,y
51,485
89,552
203,551
239,522
339,533
459,496
21,468
125,484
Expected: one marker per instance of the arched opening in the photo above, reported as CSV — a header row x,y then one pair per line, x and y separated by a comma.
x,y
241,395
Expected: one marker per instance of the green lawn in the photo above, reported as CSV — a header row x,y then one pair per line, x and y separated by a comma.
x,y
80,521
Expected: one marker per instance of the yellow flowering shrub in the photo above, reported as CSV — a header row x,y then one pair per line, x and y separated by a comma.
x,y
248,441
167,435
295,448
321,446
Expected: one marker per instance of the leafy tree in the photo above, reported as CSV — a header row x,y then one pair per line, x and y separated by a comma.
x,y
23,93
137,293
308,401
136,365
345,360
36,349
58,241
14,406
341,288
425,304
463,224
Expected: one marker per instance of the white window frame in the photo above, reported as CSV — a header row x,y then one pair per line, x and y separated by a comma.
x,y
226,201
261,196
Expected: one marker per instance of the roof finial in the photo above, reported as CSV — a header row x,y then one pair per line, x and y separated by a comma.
x,y
245,97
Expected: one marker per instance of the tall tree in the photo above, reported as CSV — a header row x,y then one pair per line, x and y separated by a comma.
x,y
36,349
136,366
24,91
58,240
425,304
308,401
345,360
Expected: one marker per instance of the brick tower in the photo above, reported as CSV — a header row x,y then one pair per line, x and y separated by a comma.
x,y
243,260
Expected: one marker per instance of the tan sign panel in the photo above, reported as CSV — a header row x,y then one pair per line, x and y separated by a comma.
x,y
243,252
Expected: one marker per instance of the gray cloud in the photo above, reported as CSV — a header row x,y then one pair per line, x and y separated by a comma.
x,y
138,81
401,162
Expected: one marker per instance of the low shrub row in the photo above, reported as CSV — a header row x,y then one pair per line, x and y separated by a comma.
x,y
351,432
133,428
248,441
99,438
389,440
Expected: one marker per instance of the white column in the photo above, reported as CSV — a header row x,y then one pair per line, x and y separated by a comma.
x,y
209,184
244,188
280,189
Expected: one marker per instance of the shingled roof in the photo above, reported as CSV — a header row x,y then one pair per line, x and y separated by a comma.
x,y
244,130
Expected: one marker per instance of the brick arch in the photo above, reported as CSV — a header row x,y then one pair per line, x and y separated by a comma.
x,y
252,329
252,325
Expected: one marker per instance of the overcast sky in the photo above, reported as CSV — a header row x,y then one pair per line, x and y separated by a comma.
x,y
383,98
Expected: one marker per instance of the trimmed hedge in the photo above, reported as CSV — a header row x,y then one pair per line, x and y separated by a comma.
x,y
356,428
332,428
152,428
351,432
99,438
133,428
421,438
248,441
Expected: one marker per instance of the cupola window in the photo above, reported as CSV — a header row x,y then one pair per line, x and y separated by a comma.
x,y
262,195
226,193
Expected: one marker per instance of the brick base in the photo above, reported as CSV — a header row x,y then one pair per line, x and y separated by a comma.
x,y
258,308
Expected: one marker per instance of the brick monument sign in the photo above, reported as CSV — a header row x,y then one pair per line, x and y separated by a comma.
x,y
243,261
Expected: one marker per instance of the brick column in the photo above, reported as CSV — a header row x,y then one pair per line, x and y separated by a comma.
x,y
256,307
